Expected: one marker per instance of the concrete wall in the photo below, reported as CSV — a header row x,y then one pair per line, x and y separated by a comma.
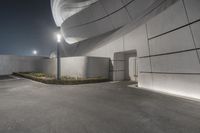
x,y
167,45
10,64
83,67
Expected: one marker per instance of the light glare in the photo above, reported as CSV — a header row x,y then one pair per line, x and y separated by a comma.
x,y
35,52
59,38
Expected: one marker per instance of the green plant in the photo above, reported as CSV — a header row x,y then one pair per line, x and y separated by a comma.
x,y
66,80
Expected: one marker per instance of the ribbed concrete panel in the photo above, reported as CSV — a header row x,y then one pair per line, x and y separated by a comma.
x,y
120,18
170,19
137,40
196,32
193,9
177,84
145,80
138,8
186,62
144,65
74,21
111,5
72,15
92,13
178,40
63,9
87,31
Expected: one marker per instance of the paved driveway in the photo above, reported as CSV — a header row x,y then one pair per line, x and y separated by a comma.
x,y
31,107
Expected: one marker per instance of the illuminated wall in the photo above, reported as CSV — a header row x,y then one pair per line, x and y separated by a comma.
x,y
163,33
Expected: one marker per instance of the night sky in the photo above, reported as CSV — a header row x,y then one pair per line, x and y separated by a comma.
x,y
26,25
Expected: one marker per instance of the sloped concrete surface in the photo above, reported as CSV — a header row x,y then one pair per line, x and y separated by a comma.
x,y
31,107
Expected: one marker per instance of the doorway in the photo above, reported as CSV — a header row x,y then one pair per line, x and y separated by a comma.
x,y
131,67
126,66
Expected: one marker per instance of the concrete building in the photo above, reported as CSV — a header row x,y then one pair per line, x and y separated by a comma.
x,y
153,41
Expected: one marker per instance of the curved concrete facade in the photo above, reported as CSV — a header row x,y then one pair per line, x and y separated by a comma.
x,y
63,9
84,19
163,35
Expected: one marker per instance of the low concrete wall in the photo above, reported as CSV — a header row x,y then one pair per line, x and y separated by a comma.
x,y
84,67
10,64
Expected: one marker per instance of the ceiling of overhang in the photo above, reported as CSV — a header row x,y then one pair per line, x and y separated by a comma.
x,y
63,9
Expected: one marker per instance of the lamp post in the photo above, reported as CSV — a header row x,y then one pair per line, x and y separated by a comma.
x,y
59,38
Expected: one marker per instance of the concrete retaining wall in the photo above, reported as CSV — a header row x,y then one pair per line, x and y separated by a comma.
x,y
10,64
84,67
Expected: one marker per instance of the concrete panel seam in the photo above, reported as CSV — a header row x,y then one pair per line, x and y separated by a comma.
x,y
101,17
123,42
107,14
115,12
174,29
191,31
171,73
116,70
118,60
129,15
148,47
182,51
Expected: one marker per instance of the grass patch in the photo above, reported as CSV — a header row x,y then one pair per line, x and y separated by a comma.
x,y
50,79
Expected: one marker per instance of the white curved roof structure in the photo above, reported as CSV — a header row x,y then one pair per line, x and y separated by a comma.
x,y
63,9
83,19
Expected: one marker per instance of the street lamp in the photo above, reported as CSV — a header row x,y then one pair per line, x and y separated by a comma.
x,y
59,37
59,40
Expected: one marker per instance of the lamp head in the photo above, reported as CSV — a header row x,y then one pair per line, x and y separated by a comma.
x,y
59,37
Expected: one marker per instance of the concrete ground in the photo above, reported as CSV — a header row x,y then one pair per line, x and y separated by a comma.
x,y
31,107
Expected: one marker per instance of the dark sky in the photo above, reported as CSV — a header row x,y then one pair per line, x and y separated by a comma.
x,y
26,25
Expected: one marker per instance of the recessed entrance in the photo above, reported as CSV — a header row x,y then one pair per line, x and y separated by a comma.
x,y
125,66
